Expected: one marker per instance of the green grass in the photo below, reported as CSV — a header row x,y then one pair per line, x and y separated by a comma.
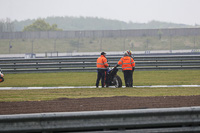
x,y
38,95
178,77
49,79
21,46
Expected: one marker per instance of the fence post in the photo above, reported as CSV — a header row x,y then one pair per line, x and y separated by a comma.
x,y
83,64
14,66
37,64
60,67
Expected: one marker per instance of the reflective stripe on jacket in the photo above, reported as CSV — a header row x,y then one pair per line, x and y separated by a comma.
x,y
102,62
127,63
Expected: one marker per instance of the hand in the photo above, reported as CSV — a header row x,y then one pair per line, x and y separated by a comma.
x,y
116,66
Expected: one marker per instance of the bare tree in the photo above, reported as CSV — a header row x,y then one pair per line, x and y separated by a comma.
x,y
9,25
6,25
2,25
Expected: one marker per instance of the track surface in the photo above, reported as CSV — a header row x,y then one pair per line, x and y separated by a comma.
x,y
97,104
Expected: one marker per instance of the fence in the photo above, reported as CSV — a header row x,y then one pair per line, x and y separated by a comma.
x,y
165,120
167,62
100,33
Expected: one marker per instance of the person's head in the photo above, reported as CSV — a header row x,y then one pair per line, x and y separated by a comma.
x,y
103,53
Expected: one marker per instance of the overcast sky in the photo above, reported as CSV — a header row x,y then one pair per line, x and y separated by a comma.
x,y
177,11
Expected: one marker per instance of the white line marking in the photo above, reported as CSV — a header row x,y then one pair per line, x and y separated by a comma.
x,y
166,86
71,87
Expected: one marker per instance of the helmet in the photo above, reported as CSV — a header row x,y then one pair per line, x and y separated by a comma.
x,y
127,52
102,53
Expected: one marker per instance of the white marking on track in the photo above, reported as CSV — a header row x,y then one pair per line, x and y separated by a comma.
x,y
71,87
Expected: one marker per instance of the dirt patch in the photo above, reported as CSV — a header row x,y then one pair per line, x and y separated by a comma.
x,y
97,104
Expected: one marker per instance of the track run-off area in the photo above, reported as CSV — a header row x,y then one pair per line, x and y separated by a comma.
x,y
73,87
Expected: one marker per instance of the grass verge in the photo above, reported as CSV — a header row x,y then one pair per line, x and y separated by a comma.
x,y
179,77
172,77
40,95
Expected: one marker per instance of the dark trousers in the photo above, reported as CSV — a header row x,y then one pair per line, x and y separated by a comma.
x,y
101,73
128,77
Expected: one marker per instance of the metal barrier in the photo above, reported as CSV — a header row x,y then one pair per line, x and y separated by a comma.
x,y
100,33
164,120
89,63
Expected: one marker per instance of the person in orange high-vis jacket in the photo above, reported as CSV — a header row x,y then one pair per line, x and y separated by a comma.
x,y
128,66
1,76
102,65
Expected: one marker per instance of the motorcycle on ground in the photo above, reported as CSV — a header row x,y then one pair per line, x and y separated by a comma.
x,y
1,76
113,78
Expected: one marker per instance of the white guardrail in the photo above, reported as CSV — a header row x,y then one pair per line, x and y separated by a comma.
x,y
165,62
163,120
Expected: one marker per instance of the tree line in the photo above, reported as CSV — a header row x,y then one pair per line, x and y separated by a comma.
x,y
83,23
6,25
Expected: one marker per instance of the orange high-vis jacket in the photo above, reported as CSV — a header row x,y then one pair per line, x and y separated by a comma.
x,y
102,62
127,63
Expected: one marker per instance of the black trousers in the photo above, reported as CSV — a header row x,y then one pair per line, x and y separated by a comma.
x,y
128,77
101,73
